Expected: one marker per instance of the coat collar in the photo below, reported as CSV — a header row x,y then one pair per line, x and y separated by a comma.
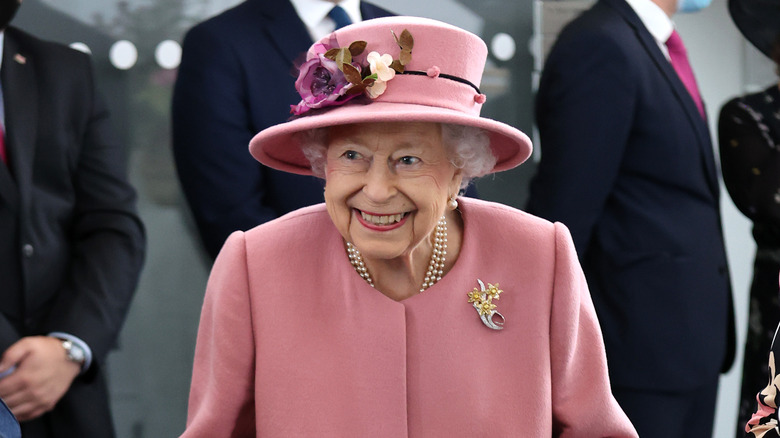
x,y
285,29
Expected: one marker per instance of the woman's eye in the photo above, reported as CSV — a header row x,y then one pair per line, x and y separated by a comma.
x,y
351,155
408,160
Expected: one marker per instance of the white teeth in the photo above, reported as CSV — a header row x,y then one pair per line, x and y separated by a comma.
x,y
382,220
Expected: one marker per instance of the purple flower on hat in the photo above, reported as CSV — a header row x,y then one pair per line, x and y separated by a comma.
x,y
320,83
331,77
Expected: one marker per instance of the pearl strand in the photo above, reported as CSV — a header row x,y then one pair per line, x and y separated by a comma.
x,y
435,266
357,262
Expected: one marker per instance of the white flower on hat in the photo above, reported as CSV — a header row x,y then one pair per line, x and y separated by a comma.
x,y
376,89
379,66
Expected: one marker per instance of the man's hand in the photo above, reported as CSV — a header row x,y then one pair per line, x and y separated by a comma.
x,y
43,374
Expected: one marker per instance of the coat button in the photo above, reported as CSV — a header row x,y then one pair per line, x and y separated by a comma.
x,y
722,270
28,250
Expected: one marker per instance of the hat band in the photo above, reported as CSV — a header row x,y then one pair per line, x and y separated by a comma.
x,y
445,76
416,89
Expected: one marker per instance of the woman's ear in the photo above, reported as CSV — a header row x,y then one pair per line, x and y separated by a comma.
x,y
457,180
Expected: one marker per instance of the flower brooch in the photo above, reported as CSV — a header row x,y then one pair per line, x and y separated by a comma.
x,y
482,300
334,76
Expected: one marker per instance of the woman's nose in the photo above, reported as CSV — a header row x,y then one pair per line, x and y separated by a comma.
x,y
380,182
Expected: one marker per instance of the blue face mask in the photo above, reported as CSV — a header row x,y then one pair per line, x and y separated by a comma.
x,y
692,5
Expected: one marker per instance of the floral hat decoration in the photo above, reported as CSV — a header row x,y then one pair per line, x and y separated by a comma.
x,y
392,69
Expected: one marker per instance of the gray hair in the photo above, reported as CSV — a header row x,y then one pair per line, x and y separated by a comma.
x,y
468,149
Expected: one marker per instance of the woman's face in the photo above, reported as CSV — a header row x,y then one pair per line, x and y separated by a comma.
x,y
387,185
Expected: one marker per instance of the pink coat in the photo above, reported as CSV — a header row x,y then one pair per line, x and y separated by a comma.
x,y
293,343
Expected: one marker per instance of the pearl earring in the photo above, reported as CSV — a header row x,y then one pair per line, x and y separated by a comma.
x,y
453,203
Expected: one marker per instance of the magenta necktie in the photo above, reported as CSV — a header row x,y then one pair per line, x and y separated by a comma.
x,y
679,58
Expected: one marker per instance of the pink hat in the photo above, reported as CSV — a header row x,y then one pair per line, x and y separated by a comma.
x,y
437,82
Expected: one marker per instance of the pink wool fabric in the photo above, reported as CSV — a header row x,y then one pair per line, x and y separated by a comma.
x,y
408,98
293,343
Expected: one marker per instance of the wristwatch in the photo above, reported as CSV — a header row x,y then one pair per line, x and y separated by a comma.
x,y
73,352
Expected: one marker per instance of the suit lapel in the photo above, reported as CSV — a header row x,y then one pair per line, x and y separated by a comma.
x,y
8,188
285,29
20,98
369,11
698,124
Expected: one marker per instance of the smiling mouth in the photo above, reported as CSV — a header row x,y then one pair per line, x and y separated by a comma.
x,y
388,219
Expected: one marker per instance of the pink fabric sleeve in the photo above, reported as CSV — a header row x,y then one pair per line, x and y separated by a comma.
x,y
583,405
221,400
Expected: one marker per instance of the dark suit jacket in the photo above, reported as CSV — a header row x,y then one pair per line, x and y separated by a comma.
x,y
237,78
71,243
627,164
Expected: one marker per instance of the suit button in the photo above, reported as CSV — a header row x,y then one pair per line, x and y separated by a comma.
x,y
28,250
722,270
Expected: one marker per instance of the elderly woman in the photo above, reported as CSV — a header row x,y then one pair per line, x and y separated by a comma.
x,y
396,308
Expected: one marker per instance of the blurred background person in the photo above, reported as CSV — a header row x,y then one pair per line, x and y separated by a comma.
x,y
233,81
72,245
749,138
381,306
628,165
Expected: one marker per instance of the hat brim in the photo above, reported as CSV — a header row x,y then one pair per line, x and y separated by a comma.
x,y
277,147
758,21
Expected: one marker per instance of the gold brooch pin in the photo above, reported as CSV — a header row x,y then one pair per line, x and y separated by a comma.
x,y
482,300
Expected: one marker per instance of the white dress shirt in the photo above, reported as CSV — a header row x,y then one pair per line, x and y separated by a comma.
x,y
655,20
314,14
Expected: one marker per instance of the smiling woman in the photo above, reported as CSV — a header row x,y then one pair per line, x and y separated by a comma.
x,y
375,313
379,172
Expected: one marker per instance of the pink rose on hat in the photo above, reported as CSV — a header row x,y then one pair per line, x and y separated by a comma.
x,y
320,83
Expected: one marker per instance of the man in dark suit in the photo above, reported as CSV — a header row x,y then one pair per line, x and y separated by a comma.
x,y
627,164
71,243
236,79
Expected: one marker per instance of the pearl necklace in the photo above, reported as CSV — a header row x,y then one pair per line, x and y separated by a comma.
x,y
435,266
